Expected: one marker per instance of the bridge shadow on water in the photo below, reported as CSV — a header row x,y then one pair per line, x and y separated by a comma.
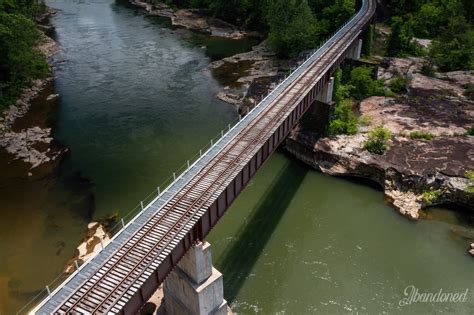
x,y
239,258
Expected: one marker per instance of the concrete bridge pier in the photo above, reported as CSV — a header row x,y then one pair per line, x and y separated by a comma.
x,y
325,95
195,286
356,51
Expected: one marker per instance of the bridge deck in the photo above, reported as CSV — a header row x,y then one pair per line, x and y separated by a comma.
x,y
108,281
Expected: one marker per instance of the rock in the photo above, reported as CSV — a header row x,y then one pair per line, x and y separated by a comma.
x,y
472,245
471,251
193,19
96,237
462,78
52,97
421,85
391,67
435,115
425,43
22,145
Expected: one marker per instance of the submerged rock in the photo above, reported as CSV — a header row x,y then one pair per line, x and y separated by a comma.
x,y
95,238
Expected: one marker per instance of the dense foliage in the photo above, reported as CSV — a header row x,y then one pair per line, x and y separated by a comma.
x,y
19,61
447,22
351,84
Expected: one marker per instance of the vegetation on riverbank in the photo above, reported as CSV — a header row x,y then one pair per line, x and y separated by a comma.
x,y
291,26
350,85
449,23
20,62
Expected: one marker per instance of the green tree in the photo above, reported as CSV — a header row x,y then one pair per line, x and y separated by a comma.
x,y
292,27
363,84
454,49
400,41
19,61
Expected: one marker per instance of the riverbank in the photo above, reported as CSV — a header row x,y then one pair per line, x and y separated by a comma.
x,y
430,152
194,19
33,144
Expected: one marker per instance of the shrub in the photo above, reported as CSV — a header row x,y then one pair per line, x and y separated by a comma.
x,y
421,135
377,143
363,83
344,120
469,92
430,196
470,131
399,84
428,69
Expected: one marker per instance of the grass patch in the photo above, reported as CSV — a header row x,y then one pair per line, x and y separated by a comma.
x,y
419,135
365,120
429,197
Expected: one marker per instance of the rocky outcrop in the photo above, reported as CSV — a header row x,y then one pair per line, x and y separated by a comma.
x,y
96,237
193,19
413,173
24,145
238,72
471,250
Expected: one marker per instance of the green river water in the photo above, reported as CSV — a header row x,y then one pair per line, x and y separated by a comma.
x,y
136,102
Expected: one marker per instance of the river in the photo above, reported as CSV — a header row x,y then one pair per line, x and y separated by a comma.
x,y
136,102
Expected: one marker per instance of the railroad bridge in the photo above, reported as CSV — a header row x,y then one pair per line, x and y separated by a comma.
x,y
126,272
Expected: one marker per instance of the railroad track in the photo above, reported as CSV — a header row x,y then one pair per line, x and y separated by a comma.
x,y
109,288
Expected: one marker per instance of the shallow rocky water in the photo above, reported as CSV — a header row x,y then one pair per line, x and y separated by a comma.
x,y
136,102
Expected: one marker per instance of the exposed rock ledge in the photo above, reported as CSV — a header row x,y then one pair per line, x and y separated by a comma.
x,y
410,168
192,19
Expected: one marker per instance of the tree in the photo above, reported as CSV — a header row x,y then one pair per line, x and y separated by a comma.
x,y
363,84
19,61
454,49
292,27
400,41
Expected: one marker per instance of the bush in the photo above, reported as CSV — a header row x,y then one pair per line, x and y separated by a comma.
x,y
430,196
469,92
344,120
377,143
421,135
399,84
363,84
470,132
428,69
